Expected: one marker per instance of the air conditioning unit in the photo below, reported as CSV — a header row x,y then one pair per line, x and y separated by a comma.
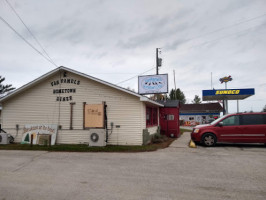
x,y
3,138
97,137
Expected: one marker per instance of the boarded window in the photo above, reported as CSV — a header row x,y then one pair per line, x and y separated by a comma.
x,y
94,115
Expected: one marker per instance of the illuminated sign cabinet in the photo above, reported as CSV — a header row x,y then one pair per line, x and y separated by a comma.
x,y
230,94
153,84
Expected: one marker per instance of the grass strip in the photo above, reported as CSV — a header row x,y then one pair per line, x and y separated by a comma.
x,y
182,130
86,148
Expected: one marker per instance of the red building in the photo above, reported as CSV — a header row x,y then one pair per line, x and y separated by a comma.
x,y
169,118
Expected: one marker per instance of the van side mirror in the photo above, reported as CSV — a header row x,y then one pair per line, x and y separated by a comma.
x,y
220,124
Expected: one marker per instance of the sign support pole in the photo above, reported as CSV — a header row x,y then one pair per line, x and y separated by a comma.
x,y
157,66
226,101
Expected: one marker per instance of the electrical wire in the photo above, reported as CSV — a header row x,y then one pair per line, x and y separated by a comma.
x,y
226,27
26,41
223,28
37,41
223,37
135,76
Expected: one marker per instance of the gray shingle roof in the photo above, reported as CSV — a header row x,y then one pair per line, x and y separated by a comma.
x,y
170,103
201,107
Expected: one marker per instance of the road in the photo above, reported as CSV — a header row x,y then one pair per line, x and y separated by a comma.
x,y
177,172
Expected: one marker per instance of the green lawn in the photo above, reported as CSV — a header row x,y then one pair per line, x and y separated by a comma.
x,y
86,148
182,130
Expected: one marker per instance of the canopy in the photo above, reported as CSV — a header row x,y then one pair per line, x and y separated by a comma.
x,y
227,94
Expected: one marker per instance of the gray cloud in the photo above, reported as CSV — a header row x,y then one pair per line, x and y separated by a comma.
x,y
120,37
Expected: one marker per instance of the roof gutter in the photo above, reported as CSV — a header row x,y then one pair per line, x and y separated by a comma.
x,y
145,99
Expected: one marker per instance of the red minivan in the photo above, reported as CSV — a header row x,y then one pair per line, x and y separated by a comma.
x,y
232,128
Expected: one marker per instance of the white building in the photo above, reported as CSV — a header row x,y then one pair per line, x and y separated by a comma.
x,y
63,97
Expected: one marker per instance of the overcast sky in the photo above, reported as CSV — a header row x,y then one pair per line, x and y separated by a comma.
x,y
115,40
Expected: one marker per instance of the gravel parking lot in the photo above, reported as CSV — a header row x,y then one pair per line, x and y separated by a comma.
x,y
178,172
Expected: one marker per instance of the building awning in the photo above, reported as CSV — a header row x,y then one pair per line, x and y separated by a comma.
x,y
227,94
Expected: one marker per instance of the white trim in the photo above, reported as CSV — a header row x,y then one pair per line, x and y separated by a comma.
x,y
30,84
145,99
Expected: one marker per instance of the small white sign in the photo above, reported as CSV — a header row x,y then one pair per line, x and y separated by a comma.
x,y
153,84
39,133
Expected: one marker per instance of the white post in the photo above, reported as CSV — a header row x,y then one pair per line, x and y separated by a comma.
x,y
226,101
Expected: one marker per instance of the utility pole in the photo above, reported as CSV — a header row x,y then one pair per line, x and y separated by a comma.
x,y
158,61
211,81
158,64
225,100
175,84
157,67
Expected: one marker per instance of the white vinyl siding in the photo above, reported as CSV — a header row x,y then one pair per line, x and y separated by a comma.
x,y
38,105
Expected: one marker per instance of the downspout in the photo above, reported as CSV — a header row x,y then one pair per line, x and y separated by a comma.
x,y
105,121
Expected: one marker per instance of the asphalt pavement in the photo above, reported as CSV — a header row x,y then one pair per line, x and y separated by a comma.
x,y
177,172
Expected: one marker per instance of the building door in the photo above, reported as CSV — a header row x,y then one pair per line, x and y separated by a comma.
x,y
169,122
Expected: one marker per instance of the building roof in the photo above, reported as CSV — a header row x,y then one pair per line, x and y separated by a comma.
x,y
51,73
204,107
170,103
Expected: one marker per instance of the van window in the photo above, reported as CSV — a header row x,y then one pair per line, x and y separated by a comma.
x,y
253,119
231,121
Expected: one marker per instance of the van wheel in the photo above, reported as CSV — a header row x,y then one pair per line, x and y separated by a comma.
x,y
209,140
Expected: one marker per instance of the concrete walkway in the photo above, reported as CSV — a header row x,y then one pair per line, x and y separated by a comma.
x,y
182,141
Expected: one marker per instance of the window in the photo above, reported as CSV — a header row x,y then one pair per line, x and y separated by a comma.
x,y
151,116
253,119
170,117
231,121
154,116
191,118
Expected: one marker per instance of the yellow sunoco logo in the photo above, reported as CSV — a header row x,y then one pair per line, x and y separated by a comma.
x,y
227,92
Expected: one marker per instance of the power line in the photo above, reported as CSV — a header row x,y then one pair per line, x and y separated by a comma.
x,y
114,73
226,36
135,76
30,33
223,28
26,40
226,27
220,38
